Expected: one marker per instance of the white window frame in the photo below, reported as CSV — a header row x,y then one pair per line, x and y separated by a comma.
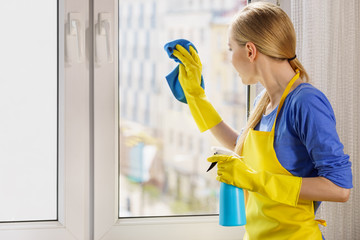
x,y
106,126
88,151
74,150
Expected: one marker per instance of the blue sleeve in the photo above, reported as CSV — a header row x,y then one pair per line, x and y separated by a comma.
x,y
316,127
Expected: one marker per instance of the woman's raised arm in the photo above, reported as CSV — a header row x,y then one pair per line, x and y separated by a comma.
x,y
225,134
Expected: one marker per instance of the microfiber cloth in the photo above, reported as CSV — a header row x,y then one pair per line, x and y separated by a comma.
x,y
173,77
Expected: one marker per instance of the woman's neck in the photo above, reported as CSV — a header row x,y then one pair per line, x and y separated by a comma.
x,y
275,75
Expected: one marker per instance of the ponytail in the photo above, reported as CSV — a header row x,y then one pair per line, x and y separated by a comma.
x,y
271,30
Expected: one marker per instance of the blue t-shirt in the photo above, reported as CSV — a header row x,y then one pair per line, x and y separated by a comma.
x,y
306,141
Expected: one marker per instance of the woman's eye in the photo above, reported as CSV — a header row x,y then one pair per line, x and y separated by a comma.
x,y
230,49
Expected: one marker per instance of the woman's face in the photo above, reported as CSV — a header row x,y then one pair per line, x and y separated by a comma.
x,y
241,61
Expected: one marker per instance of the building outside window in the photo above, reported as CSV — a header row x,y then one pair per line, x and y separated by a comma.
x,y
162,170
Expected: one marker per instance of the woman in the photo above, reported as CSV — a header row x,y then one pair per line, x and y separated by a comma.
x,y
292,156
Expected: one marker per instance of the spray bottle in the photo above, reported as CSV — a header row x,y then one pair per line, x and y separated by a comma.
x,y
232,201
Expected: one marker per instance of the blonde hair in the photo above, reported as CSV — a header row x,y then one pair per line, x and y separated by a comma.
x,y
272,32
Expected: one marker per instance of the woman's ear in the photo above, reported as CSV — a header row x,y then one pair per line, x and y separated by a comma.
x,y
251,51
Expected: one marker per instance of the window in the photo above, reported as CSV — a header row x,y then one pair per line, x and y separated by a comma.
x,y
160,177
147,44
141,75
51,178
123,44
141,16
129,16
29,111
89,129
135,45
153,78
154,14
89,123
129,73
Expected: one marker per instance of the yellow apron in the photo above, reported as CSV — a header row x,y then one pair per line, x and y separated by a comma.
x,y
267,219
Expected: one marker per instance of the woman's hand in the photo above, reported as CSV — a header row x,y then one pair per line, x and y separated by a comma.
x,y
278,187
234,171
189,70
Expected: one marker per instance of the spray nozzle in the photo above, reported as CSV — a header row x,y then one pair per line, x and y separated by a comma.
x,y
223,151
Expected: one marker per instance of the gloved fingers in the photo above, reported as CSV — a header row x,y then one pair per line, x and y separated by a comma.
x,y
179,55
188,59
219,178
221,170
182,71
224,167
224,179
183,59
195,55
218,158
226,162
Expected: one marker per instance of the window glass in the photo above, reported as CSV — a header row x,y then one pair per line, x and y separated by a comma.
x,y
162,154
28,107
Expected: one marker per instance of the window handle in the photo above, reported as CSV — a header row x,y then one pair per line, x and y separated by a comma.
x,y
103,39
74,39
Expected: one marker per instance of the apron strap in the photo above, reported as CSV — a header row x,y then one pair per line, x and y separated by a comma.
x,y
321,222
286,92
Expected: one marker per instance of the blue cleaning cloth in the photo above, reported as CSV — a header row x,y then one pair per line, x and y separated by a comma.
x,y
173,77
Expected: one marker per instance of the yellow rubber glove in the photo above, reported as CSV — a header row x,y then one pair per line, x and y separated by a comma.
x,y
201,109
278,187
